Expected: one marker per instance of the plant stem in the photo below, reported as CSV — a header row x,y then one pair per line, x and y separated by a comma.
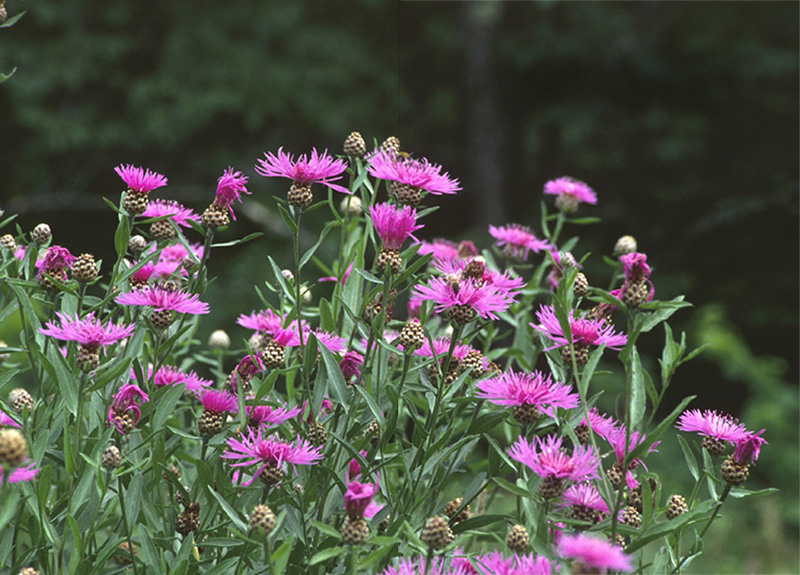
x,y
120,493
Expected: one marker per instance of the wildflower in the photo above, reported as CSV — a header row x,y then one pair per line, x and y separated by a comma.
x,y
440,249
716,428
23,473
164,302
330,341
216,404
275,351
736,468
585,502
600,424
495,564
637,287
305,171
264,321
84,268
518,539
260,416
517,241
421,566
354,468
475,268
393,225
244,371
54,263
410,177
625,245
351,366
412,336
561,261
123,413
170,375
174,212
584,333
7,421
230,187
269,454
89,333
41,234
615,436
20,399
356,499
354,145
549,461
570,193
140,183
436,533
593,555
463,298
528,393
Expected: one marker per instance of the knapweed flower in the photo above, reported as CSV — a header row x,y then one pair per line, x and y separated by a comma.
x,y
306,170
247,367
637,287
54,263
393,225
570,193
548,459
585,332
356,500
216,404
89,333
517,241
275,349
351,366
164,302
168,375
716,428
603,425
530,394
7,421
410,177
23,473
615,436
330,341
230,187
269,454
173,211
463,298
584,502
261,416
354,468
140,182
475,268
421,566
593,555
440,249
561,261
495,563
736,468
123,413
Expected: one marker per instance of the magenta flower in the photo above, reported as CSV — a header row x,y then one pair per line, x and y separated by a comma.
x,y
351,366
440,348
466,297
55,261
578,191
718,426
318,168
477,269
416,173
394,224
527,389
264,321
561,261
140,180
615,436
637,273
23,473
330,341
7,421
246,369
124,413
440,249
267,416
584,495
88,332
495,564
163,299
747,448
168,375
354,468
176,212
517,241
421,566
584,331
178,253
603,425
357,497
594,554
230,187
547,458
219,401
253,449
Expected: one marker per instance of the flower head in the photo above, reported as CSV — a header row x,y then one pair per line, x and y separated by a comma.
x,y
594,553
573,188
747,448
88,331
170,375
264,321
176,212
709,423
267,416
140,180
124,413
24,473
54,261
495,563
484,299
584,331
230,187
476,268
394,224
357,497
517,241
354,468
7,421
421,566
306,170
218,401
547,458
253,449
536,389
163,299
585,495
634,266
440,249
411,172
351,366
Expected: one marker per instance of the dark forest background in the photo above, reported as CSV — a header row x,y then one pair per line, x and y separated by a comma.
x,y
682,116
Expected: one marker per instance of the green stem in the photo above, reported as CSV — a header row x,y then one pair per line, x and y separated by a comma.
x,y
353,559
696,547
120,493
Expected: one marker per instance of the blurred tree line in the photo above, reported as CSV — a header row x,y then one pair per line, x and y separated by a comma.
x,y
682,116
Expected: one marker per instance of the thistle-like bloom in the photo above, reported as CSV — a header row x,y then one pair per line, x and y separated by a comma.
x,y
535,389
89,332
547,458
219,401
55,261
178,253
253,449
594,554
357,497
124,413
615,436
170,375
268,416
718,426
584,495
264,321
577,190
24,473
421,566
603,425
394,224
747,448
637,287
420,174
561,261
634,266
495,564
318,168
476,269
584,331
230,187
163,299
7,421
440,249
464,296
351,366
517,241
176,212
354,468
140,180
330,341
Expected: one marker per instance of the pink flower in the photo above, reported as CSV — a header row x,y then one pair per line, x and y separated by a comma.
x,y
354,469
230,187
615,436
88,331
55,262
420,566
603,425
219,401
163,299
636,270
513,389
267,416
548,459
518,241
253,449
585,495
394,224
440,348
128,399
305,170
417,173
351,366
448,293
178,253
440,249
747,448
357,497
24,473
7,421
178,214
330,341
584,331
561,261
721,427
569,187
594,554
495,564
246,369
140,180
170,375
264,321
477,269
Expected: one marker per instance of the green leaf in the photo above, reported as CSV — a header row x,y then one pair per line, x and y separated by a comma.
x,y
4,77
326,529
133,500
335,379
326,554
691,460
588,370
638,399
229,511
122,235
511,488
10,22
478,521
653,436
166,405
740,493
280,557
663,310
244,240
662,529
310,252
